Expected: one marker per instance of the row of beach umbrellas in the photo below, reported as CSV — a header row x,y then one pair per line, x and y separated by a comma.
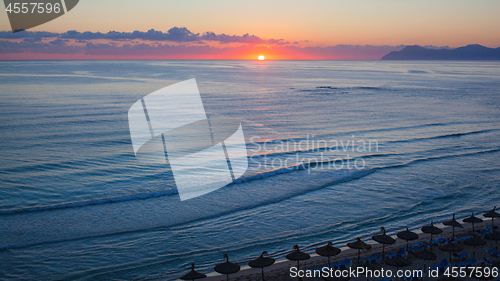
x,y
329,250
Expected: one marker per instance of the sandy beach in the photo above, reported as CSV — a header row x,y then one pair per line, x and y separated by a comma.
x,y
280,271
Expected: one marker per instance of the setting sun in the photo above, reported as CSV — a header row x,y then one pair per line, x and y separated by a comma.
x,y
262,58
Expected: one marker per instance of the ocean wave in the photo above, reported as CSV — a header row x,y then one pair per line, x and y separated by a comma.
x,y
79,204
376,130
172,192
452,135
320,181
261,175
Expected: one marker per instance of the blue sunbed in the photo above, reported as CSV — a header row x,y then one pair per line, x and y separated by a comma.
x,y
487,262
493,252
441,266
421,248
463,238
402,253
483,232
343,264
371,259
459,257
466,263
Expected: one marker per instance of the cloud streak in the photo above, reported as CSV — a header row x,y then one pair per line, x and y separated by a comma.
x,y
175,34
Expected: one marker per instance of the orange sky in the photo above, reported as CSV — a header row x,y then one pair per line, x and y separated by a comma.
x,y
446,22
319,23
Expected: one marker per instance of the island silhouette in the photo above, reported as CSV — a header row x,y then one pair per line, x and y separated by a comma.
x,y
469,52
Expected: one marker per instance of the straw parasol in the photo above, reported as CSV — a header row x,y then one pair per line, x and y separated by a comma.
x,y
453,223
407,235
492,214
227,267
431,229
451,247
262,262
474,242
383,239
426,256
472,219
193,274
359,245
297,255
328,251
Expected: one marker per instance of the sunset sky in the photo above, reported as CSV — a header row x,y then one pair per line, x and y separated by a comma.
x,y
292,29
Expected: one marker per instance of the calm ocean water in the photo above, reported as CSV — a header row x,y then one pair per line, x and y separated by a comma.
x,y
75,204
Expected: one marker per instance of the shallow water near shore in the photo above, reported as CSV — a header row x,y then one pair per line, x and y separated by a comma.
x,y
75,204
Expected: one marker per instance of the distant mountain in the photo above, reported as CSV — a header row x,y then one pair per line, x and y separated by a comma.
x,y
469,52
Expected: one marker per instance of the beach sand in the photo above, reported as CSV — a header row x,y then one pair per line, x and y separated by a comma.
x,y
280,271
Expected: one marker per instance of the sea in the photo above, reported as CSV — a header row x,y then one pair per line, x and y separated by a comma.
x,y
335,149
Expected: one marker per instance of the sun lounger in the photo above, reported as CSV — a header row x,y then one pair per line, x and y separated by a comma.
x,y
487,262
483,232
493,253
421,248
438,241
463,238
441,266
459,257
434,242
402,253
342,265
418,247
415,245
489,227
374,258
466,263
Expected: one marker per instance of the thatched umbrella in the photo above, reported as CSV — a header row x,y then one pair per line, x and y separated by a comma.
x,y
474,242
431,229
328,251
193,274
261,262
359,245
451,247
426,256
472,219
493,236
492,214
383,239
407,235
453,223
227,267
297,255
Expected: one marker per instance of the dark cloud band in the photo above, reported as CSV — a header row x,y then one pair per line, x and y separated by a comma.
x,y
175,34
